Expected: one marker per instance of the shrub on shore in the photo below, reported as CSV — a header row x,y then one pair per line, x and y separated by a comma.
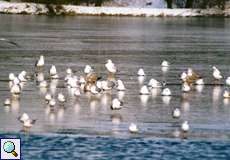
x,y
197,3
170,3
73,2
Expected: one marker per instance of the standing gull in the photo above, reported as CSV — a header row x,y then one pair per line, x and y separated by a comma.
x,y
141,72
7,102
26,121
88,69
53,72
164,63
110,66
226,94
216,73
176,113
153,83
120,85
116,104
144,90
133,128
41,62
227,81
61,98
185,126
166,92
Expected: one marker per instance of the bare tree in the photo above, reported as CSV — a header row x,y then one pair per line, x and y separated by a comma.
x,y
189,4
169,3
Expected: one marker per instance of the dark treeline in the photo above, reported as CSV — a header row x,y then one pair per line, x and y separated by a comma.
x,y
74,2
170,3
196,3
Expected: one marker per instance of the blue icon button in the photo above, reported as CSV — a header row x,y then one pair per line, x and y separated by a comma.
x,y
9,147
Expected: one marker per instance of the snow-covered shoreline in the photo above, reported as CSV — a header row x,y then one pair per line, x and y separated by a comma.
x,y
41,9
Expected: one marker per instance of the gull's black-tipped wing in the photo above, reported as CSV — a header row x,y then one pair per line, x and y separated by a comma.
x,y
9,41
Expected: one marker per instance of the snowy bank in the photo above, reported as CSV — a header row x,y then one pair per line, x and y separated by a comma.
x,y
37,9
22,8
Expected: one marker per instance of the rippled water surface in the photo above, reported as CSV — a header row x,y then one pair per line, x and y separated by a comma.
x,y
86,127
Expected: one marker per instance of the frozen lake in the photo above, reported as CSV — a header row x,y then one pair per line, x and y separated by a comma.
x,y
88,122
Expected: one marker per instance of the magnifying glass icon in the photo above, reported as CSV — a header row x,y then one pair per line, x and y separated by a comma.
x,y
9,147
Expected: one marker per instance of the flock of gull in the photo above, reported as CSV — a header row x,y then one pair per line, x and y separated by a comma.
x,y
93,83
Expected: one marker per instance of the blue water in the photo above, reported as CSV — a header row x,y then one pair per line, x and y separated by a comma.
x,y
58,146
